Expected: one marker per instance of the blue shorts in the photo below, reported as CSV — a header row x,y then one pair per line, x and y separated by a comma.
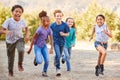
x,y
97,43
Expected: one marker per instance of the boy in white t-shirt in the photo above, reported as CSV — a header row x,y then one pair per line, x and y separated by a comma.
x,y
13,28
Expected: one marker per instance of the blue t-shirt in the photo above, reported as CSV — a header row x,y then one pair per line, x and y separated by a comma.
x,y
58,39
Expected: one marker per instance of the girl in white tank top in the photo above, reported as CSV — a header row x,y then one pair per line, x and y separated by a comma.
x,y
102,35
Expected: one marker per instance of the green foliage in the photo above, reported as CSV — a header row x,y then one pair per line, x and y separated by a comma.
x,y
87,20
33,22
5,13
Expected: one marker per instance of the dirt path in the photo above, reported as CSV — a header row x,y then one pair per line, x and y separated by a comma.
x,y
83,61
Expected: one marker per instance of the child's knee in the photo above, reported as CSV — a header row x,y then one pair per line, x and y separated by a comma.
x,y
47,62
39,61
20,50
68,57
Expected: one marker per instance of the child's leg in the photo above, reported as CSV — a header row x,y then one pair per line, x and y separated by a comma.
x,y
67,58
38,54
57,56
46,58
102,58
20,47
11,55
103,52
58,51
99,58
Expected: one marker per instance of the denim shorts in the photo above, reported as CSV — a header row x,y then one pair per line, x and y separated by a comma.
x,y
97,43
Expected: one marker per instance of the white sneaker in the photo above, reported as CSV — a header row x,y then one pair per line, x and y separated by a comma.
x,y
58,73
44,74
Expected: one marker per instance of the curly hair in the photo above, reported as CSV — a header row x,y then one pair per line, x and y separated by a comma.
x,y
17,6
42,14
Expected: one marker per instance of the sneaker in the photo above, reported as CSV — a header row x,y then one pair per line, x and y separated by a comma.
x,y
58,72
54,62
68,70
20,67
44,74
62,61
35,62
11,73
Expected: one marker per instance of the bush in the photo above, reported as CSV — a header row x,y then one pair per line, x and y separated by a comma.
x,y
5,13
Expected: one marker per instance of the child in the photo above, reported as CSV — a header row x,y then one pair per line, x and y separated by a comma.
x,y
102,34
70,42
39,41
13,27
60,31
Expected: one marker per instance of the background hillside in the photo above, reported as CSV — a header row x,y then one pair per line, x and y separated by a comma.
x,y
65,5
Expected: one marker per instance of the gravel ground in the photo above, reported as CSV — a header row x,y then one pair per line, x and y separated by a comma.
x,y
83,61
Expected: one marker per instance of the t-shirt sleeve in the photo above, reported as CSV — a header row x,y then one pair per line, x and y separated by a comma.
x,y
24,23
67,29
51,26
6,24
50,31
38,31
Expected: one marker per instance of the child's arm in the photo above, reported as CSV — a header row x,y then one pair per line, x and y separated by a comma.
x,y
27,34
92,34
64,34
74,38
108,32
51,43
32,42
5,31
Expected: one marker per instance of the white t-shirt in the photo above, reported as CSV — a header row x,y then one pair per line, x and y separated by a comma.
x,y
16,28
100,34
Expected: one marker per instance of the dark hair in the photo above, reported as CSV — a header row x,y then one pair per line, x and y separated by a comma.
x,y
100,15
42,14
17,6
73,22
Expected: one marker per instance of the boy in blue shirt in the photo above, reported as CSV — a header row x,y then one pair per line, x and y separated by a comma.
x,y
60,31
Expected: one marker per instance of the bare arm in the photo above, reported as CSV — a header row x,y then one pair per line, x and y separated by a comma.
x,y
5,31
108,32
27,34
51,43
64,34
93,32
32,42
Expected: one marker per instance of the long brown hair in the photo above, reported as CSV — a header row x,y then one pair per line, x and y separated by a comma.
x,y
73,26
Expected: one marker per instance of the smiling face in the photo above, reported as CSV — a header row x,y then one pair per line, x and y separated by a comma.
x,y
58,17
70,22
100,20
45,21
17,14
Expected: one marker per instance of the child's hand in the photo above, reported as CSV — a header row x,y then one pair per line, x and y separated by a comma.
x,y
9,32
91,38
26,39
73,45
51,51
62,33
105,31
29,51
